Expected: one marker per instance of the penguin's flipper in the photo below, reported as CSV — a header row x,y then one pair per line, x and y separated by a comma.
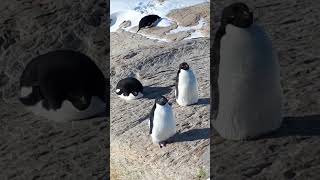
x,y
214,65
177,82
151,118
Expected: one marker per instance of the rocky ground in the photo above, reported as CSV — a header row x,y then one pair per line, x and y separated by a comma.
x,y
293,151
155,64
32,147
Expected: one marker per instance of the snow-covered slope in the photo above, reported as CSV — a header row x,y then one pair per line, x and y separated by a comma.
x,y
134,10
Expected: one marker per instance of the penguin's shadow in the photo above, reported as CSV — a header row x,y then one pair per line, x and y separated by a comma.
x,y
99,115
298,126
151,92
191,135
204,101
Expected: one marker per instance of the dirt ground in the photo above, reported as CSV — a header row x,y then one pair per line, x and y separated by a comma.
x,y
32,147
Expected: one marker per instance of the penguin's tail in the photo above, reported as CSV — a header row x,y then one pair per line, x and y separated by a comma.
x,y
138,30
32,98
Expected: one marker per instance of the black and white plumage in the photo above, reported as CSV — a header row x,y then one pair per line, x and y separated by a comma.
x,y
186,91
162,122
246,91
63,85
129,88
149,21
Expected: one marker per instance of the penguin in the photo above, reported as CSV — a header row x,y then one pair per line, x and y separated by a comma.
x,y
129,89
149,21
245,78
63,85
186,90
162,124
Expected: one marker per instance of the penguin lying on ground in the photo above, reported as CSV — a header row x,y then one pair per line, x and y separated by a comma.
x,y
63,85
246,81
149,21
186,91
162,122
129,89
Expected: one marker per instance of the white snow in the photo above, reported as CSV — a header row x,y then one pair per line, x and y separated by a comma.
x,y
182,28
134,10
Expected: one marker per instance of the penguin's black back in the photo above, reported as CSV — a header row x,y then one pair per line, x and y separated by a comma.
x,y
177,83
129,85
148,21
60,75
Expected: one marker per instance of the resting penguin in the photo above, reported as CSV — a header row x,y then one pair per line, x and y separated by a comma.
x,y
129,89
63,85
149,21
246,78
162,122
186,91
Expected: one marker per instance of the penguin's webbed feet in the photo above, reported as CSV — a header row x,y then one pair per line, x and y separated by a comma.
x,y
162,144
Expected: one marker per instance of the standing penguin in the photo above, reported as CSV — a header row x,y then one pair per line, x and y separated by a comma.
x,y
63,85
162,122
246,90
129,88
186,91
149,21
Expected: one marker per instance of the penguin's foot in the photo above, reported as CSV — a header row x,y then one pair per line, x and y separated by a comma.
x,y
162,144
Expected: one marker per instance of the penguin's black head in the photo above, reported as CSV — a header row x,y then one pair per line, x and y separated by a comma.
x,y
184,66
161,100
237,14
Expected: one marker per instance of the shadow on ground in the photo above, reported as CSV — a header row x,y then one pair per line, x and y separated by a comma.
x,y
191,135
153,92
297,126
204,101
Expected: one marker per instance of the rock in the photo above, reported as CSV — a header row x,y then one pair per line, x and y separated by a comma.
x,y
190,16
125,24
133,156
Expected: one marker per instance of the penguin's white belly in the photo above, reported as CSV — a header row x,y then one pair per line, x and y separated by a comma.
x,y
68,112
164,123
187,88
131,96
249,85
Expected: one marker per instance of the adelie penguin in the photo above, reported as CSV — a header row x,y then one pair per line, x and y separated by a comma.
x,y
162,122
149,21
186,91
246,91
129,89
63,85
